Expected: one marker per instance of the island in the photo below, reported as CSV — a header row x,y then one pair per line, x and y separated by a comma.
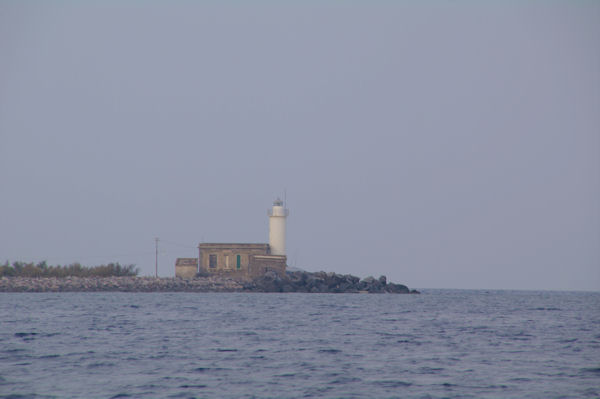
x,y
22,277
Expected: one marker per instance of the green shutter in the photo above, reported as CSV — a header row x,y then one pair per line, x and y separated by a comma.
x,y
239,261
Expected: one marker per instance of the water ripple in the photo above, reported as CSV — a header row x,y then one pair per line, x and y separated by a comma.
x,y
441,344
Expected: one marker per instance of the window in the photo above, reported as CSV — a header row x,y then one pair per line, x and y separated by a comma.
x,y
227,261
238,263
212,261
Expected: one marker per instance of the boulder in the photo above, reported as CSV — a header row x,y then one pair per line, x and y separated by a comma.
x,y
396,288
368,280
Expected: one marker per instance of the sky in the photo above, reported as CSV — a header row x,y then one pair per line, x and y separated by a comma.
x,y
444,144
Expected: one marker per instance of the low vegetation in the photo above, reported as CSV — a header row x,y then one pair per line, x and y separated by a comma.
x,y
41,269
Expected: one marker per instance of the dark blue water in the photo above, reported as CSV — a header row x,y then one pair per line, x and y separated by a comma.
x,y
441,344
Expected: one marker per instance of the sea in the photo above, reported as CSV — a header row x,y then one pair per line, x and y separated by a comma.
x,y
439,344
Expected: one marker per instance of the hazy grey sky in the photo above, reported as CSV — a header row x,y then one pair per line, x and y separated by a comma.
x,y
444,144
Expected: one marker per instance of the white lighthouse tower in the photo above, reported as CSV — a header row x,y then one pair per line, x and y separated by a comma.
x,y
277,217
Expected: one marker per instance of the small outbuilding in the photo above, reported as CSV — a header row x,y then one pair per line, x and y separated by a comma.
x,y
186,267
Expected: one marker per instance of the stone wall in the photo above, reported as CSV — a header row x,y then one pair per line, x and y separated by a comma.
x,y
186,271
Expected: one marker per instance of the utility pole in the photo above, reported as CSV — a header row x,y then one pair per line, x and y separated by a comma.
x,y
156,257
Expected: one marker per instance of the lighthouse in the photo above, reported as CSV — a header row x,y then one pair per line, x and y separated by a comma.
x,y
243,260
277,217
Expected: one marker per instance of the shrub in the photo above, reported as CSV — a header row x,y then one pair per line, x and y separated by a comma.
x,y
22,269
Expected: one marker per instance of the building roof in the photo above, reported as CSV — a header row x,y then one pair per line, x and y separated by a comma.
x,y
229,245
186,262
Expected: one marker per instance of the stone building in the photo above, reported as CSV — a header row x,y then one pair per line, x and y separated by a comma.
x,y
238,260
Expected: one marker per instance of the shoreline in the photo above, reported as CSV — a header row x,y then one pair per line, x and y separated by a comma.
x,y
305,282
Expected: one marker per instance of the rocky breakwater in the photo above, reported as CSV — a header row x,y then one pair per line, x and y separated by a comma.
x,y
122,284
319,282
322,282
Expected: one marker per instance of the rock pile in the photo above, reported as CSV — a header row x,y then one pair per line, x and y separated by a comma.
x,y
322,282
123,284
